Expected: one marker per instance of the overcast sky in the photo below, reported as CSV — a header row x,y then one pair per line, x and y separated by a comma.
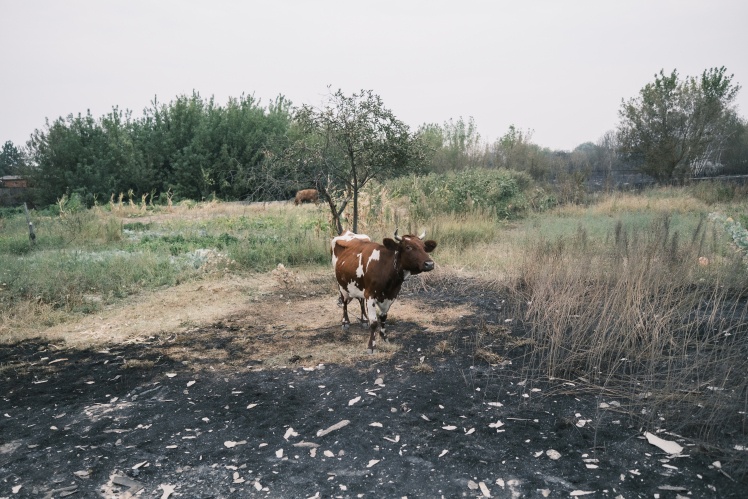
x,y
557,67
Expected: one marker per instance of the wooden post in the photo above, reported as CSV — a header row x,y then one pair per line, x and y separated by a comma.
x,y
32,235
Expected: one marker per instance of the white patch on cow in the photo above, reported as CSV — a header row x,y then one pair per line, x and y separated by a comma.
x,y
346,236
384,306
353,291
371,309
374,257
360,268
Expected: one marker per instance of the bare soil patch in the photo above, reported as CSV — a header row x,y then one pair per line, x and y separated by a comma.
x,y
247,387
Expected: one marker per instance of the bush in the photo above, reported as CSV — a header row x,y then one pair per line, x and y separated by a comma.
x,y
501,192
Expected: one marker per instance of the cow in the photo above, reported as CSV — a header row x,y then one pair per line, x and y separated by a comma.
x,y
306,196
373,273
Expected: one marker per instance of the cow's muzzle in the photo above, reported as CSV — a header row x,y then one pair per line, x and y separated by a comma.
x,y
428,266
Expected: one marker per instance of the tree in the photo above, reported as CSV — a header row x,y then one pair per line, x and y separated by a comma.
x,y
675,126
735,156
347,143
11,159
516,151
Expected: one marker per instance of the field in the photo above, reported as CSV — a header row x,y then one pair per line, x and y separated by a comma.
x,y
197,348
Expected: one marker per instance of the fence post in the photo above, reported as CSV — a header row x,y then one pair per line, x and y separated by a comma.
x,y
32,235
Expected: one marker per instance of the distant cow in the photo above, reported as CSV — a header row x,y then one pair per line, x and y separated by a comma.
x,y
306,196
373,273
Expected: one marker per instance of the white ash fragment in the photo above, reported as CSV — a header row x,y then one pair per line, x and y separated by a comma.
x,y
231,444
666,445
168,490
336,426
305,444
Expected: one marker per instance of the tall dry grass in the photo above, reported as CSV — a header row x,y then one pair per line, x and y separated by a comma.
x,y
649,315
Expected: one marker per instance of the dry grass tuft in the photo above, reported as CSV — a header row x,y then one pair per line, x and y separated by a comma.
x,y
488,356
138,364
423,368
444,347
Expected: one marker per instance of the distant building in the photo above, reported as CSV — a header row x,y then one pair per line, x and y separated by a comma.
x,y
13,182
14,190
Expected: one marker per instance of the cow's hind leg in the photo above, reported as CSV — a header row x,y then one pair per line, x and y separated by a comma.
x,y
364,319
344,300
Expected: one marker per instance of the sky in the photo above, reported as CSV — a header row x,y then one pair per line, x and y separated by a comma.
x,y
557,68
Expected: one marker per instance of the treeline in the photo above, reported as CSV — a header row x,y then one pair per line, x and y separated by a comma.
x,y
190,148
194,148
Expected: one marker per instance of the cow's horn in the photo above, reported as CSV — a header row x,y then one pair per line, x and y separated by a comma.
x,y
423,234
397,238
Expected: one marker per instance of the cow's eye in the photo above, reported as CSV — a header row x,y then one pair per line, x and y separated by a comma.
x,y
408,248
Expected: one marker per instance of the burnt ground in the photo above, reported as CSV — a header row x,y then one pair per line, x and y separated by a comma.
x,y
436,417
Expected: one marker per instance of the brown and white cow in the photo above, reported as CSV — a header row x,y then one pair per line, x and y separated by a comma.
x,y
373,273
306,196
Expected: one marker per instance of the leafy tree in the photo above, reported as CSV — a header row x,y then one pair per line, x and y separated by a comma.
x,y
12,159
675,125
454,146
347,143
516,151
735,156
194,147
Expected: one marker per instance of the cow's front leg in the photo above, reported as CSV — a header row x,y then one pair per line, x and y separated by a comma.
x,y
371,312
382,318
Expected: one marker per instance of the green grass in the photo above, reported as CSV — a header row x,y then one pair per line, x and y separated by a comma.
x,y
85,258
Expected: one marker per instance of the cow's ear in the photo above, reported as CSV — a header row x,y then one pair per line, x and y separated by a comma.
x,y
429,246
390,244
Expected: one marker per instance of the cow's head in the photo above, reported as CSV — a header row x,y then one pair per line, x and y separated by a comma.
x,y
413,252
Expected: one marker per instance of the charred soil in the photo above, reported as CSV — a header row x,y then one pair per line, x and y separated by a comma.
x,y
255,405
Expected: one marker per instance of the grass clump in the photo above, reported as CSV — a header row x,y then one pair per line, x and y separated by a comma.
x,y
504,193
